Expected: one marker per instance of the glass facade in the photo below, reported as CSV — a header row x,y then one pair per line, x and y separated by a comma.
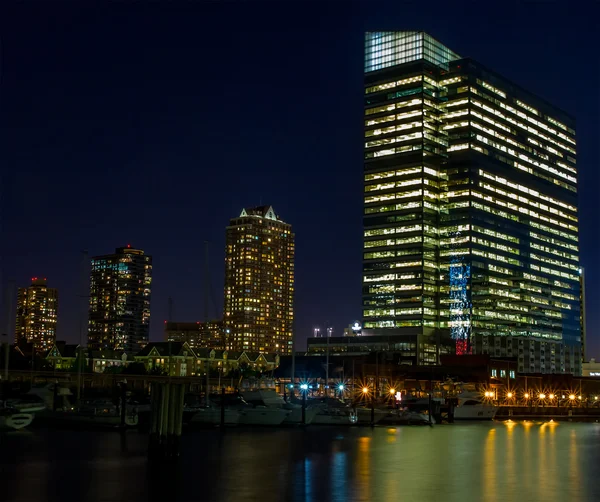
x,y
259,282
390,48
470,205
119,309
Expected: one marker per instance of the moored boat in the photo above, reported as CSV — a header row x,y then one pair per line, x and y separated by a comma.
x,y
12,419
472,407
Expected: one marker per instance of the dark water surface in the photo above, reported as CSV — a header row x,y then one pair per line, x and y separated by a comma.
x,y
473,462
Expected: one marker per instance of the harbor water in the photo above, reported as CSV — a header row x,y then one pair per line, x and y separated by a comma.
x,y
494,461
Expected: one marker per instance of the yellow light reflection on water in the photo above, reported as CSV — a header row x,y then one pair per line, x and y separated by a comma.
x,y
363,467
489,466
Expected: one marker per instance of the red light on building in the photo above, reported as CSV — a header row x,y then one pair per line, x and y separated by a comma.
x,y
128,245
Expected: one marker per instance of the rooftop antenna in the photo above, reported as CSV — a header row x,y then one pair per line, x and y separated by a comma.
x,y
83,295
170,314
206,293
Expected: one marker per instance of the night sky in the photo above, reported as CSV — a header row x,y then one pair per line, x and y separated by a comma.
x,y
153,124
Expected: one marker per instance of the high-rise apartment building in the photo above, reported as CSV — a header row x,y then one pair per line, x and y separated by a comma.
x,y
37,314
470,209
259,282
197,334
119,313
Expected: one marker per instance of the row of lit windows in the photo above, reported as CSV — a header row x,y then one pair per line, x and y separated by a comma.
x,y
393,312
544,280
528,118
393,106
490,87
397,139
393,184
554,231
553,251
392,277
392,151
391,242
522,156
522,188
532,203
520,209
494,233
509,140
387,130
554,242
497,257
396,230
391,85
393,196
395,207
552,271
393,117
551,261
390,174
494,245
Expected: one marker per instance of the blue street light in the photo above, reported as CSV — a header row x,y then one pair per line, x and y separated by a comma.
x,y
304,386
341,387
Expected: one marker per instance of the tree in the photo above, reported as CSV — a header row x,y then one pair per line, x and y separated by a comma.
x,y
158,371
135,368
113,370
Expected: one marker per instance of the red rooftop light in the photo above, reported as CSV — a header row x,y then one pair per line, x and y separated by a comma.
x,y
128,245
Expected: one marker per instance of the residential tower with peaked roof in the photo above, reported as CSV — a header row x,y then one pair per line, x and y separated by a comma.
x,y
259,282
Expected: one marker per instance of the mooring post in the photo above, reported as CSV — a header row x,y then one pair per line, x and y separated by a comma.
x,y
222,408
123,387
304,407
373,410
55,396
173,398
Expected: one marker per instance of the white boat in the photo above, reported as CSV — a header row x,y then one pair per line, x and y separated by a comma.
x,y
336,412
271,399
212,416
46,393
408,417
26,404
472,407
12,419
262,415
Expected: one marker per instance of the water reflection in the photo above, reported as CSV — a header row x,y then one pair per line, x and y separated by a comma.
x,y
494,462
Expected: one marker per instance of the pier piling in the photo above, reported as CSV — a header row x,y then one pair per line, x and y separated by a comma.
x,y
167,419
222,408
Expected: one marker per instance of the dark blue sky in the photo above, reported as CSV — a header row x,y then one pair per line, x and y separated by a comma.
x,y
155,124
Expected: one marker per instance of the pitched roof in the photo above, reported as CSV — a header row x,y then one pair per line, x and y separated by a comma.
x,y
64,349
166,348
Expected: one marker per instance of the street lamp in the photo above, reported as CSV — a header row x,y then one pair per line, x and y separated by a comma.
x,y
509,395
304,386
572,397
392,391
542,396
526,395
365,390
551,396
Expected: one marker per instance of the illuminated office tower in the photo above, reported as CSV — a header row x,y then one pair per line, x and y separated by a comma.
x,y
259,282
37,309
119,313
471,231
